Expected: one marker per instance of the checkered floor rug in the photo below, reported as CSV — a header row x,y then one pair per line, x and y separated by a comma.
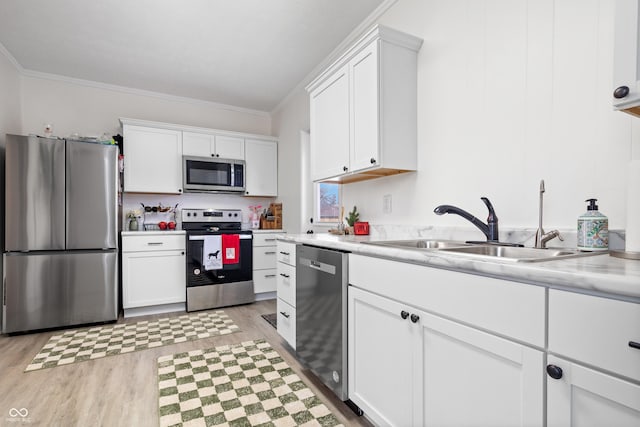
x,y
247,384
79,345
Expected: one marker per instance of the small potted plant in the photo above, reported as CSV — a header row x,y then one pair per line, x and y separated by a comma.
x,y
352,218
133,219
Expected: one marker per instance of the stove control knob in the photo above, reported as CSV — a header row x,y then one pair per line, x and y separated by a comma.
x,y
235,214
188,213
195,214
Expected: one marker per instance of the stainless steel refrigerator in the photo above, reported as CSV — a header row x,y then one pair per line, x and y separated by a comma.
x,y
60,259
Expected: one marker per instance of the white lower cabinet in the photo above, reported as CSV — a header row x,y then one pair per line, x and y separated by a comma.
x,y
436,372
583,397
264,262
286,287
593,373
153,274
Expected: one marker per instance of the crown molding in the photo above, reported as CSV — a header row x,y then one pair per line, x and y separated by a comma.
x,y
123,89
354,36
141,92
11,58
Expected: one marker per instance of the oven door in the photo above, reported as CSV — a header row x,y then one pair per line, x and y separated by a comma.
x,y
203,174
197,275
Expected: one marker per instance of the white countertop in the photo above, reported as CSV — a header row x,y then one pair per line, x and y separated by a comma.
x,y
152,233
598,273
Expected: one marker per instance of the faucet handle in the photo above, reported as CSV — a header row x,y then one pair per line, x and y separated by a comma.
x,y
558,235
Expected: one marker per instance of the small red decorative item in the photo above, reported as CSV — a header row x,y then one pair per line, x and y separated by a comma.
x,y
162,225
361,228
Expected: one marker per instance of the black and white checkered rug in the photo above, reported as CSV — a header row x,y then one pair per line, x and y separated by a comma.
x,y
94,343
247,384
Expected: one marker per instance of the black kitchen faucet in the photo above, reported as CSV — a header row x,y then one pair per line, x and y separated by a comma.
x,y
490,229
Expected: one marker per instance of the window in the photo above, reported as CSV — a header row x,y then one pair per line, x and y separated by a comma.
x,y
327,203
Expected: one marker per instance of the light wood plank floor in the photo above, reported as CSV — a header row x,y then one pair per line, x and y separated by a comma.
x,y
122,390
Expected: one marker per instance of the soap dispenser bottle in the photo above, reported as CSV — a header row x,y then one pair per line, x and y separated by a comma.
x,y
593,229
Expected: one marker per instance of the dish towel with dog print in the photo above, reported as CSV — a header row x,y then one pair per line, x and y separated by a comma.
x,y
230,248
212,253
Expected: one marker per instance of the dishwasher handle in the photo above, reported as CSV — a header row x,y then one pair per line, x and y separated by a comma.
x,y
318,266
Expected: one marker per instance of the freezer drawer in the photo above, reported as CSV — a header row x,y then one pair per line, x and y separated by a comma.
x,y
48,290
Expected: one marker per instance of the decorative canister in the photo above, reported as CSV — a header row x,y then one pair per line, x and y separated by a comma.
x,y
133,224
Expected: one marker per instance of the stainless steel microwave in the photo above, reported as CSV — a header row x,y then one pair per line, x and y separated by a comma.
x,y
203,174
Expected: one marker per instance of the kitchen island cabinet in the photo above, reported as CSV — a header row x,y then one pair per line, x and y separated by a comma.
x,y
153,272
364,110
433,369
152,159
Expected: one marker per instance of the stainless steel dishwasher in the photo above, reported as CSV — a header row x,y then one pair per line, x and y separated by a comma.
x,y
321,311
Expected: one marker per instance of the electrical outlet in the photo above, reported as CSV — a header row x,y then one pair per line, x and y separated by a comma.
x,y
386,203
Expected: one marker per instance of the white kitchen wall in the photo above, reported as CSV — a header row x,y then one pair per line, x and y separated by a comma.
x,y
9,97
88,109
91,109
509,92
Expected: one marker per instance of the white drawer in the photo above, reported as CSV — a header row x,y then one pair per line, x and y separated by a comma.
x,y
511,309
153,243
264,239
287,252
264,257
286,280
264,281
287,322
596,331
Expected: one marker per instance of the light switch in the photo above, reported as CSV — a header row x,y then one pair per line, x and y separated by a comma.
x,y
386,203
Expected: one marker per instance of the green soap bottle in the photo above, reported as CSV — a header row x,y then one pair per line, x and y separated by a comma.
x,y
593,229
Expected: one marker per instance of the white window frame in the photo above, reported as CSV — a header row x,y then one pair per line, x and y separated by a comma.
x,y
316,206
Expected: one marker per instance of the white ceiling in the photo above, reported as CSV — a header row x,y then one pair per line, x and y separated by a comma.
x,y
245,53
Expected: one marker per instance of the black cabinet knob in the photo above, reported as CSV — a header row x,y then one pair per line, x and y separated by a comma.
x,y
554,371
621,92
634,344
217,155
213,155
344,168
179,190
373,161
404,314
415,318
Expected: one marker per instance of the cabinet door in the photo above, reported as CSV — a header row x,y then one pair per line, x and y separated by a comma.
x,y
583,397
229,147
365,99
153,278
381,356
472,378
153,160
329,109
197,144
261,159
626,54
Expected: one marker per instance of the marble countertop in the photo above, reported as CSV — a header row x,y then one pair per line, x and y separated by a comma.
x,y
153,233
598,273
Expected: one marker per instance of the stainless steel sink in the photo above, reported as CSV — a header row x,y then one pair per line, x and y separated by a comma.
x,y
518,254
420,244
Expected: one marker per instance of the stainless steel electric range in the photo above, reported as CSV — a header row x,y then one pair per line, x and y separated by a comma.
x,y
219,259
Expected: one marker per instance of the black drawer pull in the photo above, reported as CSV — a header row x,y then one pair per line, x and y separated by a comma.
x,y
554,371
286,276
284,253
269,276
634,344
415,318
270,240
285,314
404,314
270,252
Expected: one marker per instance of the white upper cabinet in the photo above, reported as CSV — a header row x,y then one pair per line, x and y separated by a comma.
x,y
626,71
152,160
261,159
209,145
364,110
